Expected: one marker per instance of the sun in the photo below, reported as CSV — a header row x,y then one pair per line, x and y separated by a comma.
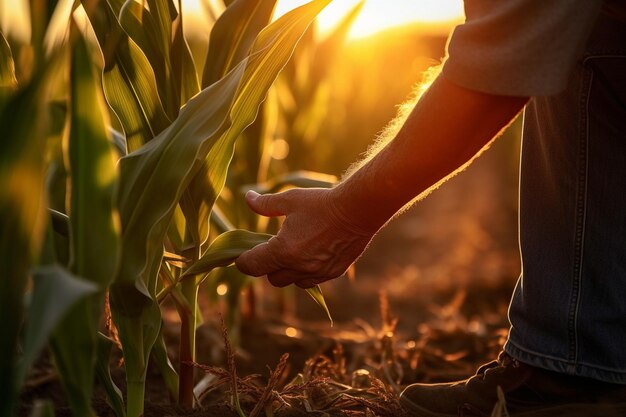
x,y
378,15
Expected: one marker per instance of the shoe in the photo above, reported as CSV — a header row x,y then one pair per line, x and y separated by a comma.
x,y
528,392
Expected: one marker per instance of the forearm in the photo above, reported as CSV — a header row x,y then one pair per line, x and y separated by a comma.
x,y
326,230
446,129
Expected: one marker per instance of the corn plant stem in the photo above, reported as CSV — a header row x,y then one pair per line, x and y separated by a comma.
x,y
237,405
135,391
188,343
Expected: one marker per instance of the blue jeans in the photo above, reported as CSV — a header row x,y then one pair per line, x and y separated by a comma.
x,y
568,311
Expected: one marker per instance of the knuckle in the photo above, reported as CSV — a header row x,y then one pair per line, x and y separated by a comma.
x,y
313,266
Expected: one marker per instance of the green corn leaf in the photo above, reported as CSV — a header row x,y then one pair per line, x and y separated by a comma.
x,y
225,249
300,179
138,334
229,246
221,253
318,296
117,5
164,12
119,142
181,78
55,291
185,74
150,179
162,361
25,122
114,395
22,213
93,230
128,78
94,238
55,248
154,177
232,36
56,175
151,31
140,25
8,82
74,349
220,221
60,222
274,40
40,14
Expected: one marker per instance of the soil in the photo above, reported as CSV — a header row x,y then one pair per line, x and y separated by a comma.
x,y
445,270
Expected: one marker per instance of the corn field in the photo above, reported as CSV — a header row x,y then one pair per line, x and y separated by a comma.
x,y
115,149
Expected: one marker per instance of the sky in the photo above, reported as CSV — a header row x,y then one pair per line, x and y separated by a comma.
x,y
378,15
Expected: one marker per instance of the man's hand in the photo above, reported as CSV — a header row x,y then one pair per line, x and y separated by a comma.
x,y
315,244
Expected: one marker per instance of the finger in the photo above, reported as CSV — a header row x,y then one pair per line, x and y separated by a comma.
x,y
310,282
284,277
281,278
258,261
270,205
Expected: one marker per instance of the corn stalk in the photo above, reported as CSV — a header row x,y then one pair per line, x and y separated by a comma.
x,y
154,178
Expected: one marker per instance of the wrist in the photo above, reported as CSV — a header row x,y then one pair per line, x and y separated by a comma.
x,y
354,220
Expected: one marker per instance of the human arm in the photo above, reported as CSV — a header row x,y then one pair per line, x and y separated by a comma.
x,y
326,230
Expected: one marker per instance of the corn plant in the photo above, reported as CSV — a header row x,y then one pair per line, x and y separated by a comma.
x,y
305,81
176,144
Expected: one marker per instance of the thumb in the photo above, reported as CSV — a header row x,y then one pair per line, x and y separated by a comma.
x,y
270,205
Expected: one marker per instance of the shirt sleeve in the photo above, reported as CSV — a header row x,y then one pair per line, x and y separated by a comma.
x,y
519,47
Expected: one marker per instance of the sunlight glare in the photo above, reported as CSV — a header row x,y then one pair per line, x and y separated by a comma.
x,y
291,332
280,149
15,19
378,15
222,289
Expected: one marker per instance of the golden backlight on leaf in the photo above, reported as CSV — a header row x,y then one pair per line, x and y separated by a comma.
x,y
15,19
105,175
378,15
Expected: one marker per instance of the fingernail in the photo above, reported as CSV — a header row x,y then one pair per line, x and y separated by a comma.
x,y
252,195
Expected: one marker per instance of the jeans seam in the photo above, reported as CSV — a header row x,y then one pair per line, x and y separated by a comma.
x,y
530,352
581,213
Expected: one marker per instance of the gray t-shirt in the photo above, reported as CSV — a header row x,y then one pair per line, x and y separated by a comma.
x,y
520,47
